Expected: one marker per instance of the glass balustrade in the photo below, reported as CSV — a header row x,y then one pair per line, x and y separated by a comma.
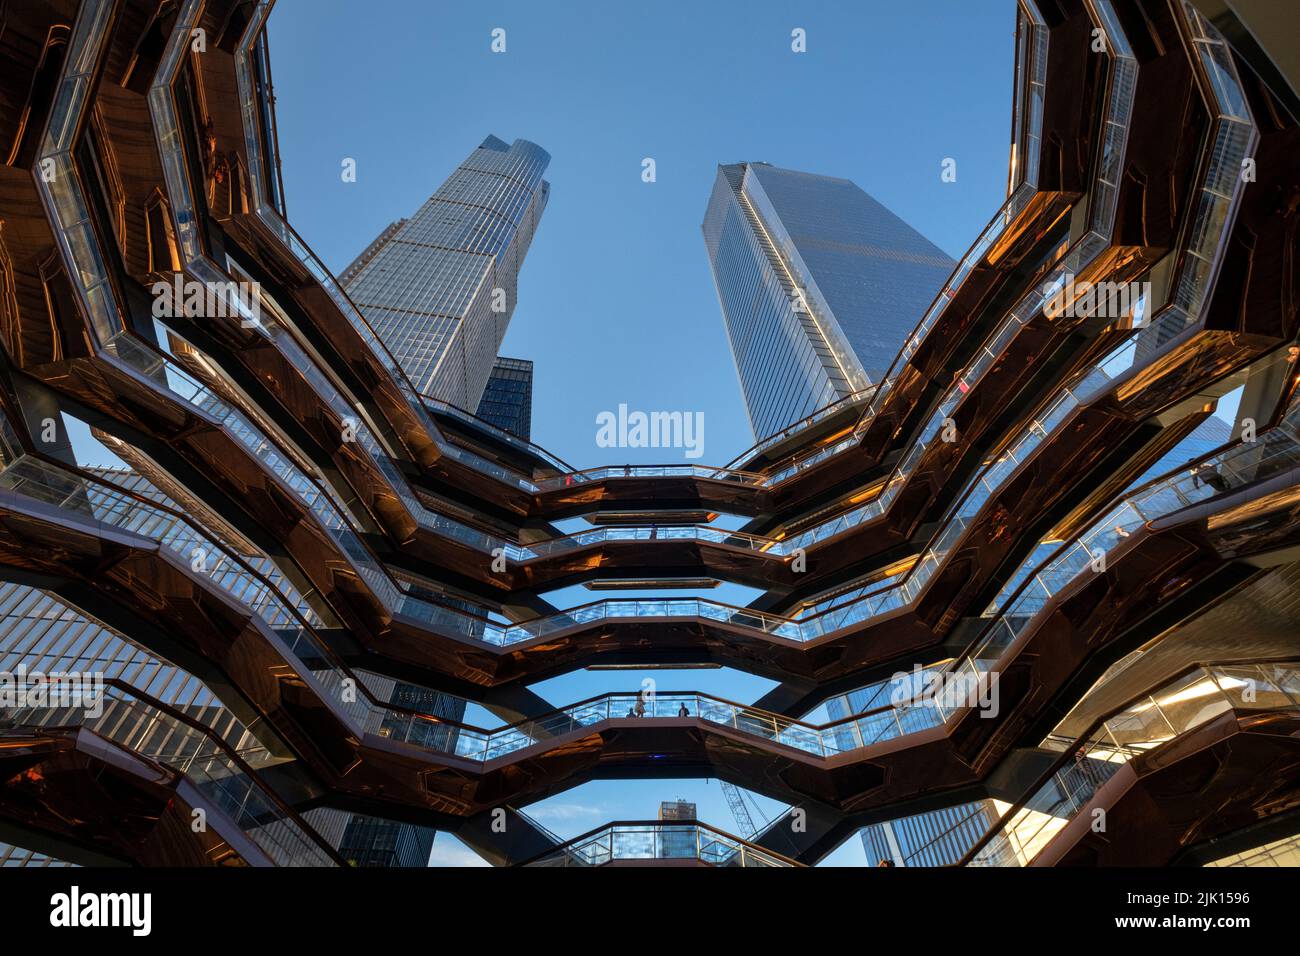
x,y
1183,489
827,411
268,595
606,472
59,184
659,841
180,386
509,438
483,746
318,499
1142,726
961,682
1242,464
893,597
265,590
1273,452
227,779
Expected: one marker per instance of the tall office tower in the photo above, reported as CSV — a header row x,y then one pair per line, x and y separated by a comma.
x,y
368,253
372,842
676,842
440,287
507,400
935,838
676,810
819,285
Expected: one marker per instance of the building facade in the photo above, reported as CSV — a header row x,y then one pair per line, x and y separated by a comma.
x,y
440,287
507,400
677,843
819,285
938,838
373,842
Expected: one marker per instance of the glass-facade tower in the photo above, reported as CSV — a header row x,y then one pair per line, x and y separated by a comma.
x,y
677,842
440,287
819,286
507,400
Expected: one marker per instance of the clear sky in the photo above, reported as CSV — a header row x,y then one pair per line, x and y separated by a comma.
x,y
616,301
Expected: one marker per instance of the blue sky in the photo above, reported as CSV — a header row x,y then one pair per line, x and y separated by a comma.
x,y
616,302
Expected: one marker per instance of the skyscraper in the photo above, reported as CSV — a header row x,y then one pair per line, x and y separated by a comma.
x,y
819,286
935,838
439,288
507,400
677,842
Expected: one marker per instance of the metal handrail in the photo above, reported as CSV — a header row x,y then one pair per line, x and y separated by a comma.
x,y
1084,738
570,847
230,752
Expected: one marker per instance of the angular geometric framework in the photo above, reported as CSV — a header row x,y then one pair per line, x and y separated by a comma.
x,y
296,531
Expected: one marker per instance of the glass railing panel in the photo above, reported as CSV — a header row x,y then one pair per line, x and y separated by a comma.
x,y
1285,677
821,414
1250,687
1180,706
329,512
658,841
1140,726
116,508
1191,701
500,434
144,729
1274,451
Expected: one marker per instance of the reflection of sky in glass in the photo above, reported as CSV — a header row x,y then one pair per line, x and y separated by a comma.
x,y
819,285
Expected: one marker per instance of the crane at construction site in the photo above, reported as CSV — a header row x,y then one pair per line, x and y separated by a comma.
x,y
740,810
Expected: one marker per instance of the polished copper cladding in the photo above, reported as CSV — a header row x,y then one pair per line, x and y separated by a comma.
x,y
902,526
